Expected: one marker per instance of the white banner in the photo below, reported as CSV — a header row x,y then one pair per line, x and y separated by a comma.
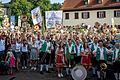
x,y
36,16
53,18
19,21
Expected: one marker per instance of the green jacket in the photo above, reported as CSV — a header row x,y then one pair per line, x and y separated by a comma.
x,y
44,47
67,51
98,54
115,53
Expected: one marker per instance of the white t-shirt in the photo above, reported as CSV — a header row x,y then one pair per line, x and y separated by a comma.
x,y
2,45
37,42
116,53
101,53
25,48
18,47
78,49
48,47
95,47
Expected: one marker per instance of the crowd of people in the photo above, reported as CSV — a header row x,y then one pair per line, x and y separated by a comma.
x,y
23,50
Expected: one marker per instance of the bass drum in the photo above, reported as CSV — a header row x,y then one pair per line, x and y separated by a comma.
x,y
79,73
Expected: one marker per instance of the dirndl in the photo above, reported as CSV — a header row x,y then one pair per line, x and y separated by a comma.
x,y
33,54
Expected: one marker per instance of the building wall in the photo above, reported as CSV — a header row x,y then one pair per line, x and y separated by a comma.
x,y
93,18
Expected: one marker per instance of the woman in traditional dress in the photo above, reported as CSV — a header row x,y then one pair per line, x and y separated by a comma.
x,y
86,56
60,59
33,55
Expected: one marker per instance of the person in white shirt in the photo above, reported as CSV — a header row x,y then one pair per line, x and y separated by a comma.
x,y
101,57
2,47
17,53
24,56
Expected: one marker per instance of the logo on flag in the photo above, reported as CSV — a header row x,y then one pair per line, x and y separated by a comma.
x,y
36,16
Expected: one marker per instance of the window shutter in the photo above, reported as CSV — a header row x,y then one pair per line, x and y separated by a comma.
x,y
104,15
115,14
88,15
97,14
82,15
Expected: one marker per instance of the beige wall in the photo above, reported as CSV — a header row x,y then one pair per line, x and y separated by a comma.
x,y
93,18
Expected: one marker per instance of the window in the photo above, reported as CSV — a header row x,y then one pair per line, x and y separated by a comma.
x,y
98,1
117,13
76,16
66,15
101,14
85,2
85,15
115,0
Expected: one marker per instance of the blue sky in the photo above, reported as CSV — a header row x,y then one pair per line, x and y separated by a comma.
x,y
52,1
56,1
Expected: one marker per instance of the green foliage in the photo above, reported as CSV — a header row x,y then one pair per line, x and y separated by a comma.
x,y
19,7
55,6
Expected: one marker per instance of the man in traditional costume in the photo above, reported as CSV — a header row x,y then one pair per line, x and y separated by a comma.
x,y
94,47
44,55
79,49
70,54
101,57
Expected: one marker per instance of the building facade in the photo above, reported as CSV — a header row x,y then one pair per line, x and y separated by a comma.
x,y
76,12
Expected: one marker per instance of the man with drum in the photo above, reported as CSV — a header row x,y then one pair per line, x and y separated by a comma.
x,y
101,57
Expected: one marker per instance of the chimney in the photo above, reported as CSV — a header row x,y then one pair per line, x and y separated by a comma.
x,y
91,2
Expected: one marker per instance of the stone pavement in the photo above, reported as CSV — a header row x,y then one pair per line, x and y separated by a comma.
x,y
34,75
30,75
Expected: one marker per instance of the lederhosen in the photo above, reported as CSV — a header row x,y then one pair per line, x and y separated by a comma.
x,y
48,52
70,50
78,57
109,71
99,61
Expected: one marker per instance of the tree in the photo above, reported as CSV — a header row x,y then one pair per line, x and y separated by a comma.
x,y
44,5
55,6
19,7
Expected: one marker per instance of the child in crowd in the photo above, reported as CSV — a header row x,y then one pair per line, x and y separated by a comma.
x,y
10,60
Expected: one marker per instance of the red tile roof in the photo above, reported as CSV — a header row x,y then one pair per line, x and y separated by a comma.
x,y
78,5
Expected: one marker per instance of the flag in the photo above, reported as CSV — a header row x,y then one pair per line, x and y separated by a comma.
x,y
113,22
19,21
53,18
12,23
36,16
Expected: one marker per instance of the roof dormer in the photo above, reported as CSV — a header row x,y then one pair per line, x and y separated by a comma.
x,y
85,2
